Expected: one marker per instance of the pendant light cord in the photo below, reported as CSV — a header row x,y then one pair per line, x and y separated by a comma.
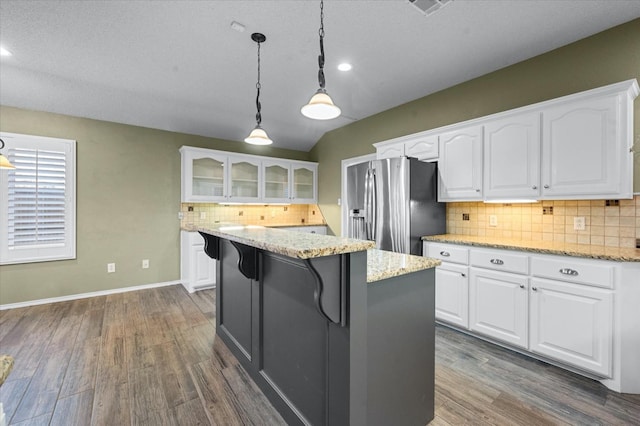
x,y
258,86
321,56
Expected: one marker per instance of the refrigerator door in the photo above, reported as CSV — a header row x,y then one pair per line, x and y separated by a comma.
x,y
370,201
392,209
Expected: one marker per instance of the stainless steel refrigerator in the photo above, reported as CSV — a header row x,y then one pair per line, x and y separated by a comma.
x,y
394,202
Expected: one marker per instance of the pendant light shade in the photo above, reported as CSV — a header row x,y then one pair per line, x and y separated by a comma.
x,y
4,162
258,136
321,107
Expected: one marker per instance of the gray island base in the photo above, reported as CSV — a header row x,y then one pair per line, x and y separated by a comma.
x,y
329,339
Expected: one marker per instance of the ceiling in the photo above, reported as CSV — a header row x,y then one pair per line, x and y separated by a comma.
x,y
179,66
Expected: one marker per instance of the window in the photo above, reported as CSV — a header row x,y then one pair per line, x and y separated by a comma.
x,y
38,200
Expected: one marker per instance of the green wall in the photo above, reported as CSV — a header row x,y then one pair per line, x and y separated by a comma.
x,y
128,199
605,58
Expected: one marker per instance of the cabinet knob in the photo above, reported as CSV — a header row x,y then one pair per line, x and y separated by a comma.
x,y
534,288
546,187
445,253
534,187
464,275
521,285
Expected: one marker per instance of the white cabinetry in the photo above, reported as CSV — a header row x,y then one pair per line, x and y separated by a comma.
x,y
421,146
577,312
197,269
573,147
583,149
460,165
498,305
573,324
210,176
512,157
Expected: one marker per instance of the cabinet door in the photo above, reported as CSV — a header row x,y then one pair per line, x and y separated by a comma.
x,y
498,306
422,148
460,165
203,269
452,294
394,150
244,176
581,150
573,324
304,183
512,157
203,177
276,181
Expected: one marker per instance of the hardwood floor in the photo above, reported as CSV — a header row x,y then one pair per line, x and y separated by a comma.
x,y
151,358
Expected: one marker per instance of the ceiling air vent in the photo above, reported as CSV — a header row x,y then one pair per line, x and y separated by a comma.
x,y
429,7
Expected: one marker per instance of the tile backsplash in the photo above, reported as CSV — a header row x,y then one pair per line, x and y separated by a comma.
x,y
294,214
613,223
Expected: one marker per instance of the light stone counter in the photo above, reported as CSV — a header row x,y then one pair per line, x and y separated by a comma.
x,y
544,247
386,264
288,243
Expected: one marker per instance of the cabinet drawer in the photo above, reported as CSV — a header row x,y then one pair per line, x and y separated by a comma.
x,y
500,261
575,271
449,253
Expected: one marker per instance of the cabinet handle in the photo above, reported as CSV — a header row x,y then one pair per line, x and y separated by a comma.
x,y
521,285
497,261
568,271
444,253
477,190
546,187
534,187
534,288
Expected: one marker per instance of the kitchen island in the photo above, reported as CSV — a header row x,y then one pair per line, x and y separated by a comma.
x,y
332,331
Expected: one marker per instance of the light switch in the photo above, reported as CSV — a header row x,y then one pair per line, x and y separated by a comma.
x,y
493,220
579,223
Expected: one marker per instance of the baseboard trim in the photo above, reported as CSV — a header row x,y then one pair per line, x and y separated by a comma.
x,y
85,295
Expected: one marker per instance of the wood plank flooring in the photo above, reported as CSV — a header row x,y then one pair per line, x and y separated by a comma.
x,y
151,358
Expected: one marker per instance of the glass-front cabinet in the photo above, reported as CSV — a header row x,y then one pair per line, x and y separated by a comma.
x,y
304,182
210,176
244,180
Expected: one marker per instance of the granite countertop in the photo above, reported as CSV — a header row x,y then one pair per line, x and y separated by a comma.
x,y
386,264
295,225
288,243
544,247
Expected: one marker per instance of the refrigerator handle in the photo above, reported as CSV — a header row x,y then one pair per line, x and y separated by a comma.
x,y
370,204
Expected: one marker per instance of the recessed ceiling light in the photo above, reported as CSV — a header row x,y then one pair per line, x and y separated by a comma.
x,y
4,52
344,66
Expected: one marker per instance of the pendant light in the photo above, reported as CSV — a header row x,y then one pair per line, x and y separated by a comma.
x,y
258,136
4,162
321,107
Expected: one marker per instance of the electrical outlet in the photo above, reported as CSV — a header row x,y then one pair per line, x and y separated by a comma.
x,y
111,268
180,215
145,263
203,215
579,223
493,220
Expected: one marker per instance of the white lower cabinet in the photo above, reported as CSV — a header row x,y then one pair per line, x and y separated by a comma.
x,y
577,312
197,269
452,294
573,324
499,306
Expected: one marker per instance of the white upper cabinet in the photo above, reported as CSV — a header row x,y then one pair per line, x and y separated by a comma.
x,y
584,151
204,176
244,179
210,176
460,165
420,145
512,157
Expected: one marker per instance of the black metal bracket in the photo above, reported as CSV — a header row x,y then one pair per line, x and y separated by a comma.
x,y
247,261
211,245
330,284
